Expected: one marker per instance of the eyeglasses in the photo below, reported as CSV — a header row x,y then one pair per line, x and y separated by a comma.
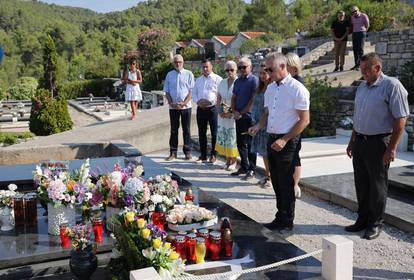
x,y
269,70
229,70
242,67
178,61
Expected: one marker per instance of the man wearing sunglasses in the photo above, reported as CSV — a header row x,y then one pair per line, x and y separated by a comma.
x,y
286,115
178,86
205,96
360,25
241,104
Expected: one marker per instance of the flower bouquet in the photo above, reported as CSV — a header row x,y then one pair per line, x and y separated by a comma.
x,y
6,207
7,196
189,216
142,245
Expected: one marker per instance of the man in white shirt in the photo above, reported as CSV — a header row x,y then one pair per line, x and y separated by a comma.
x,y
286,116
205,96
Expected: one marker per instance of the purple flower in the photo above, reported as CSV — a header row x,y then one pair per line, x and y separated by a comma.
x,y
128,200
97,198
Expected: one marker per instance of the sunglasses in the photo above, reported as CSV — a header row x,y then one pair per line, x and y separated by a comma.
x,y
242,67
229,70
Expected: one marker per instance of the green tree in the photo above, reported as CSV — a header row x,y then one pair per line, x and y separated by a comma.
x,y
250,46
50,60
23,89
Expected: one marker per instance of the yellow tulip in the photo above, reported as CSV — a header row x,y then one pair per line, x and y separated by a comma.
x,y
145,233
141,223
156,243
130,216
173,255
167,245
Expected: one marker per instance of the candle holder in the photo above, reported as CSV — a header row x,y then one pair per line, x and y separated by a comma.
x,y
158,217
191,246
215,245
98,229
203,233
180,246
64,238
227,243
200,250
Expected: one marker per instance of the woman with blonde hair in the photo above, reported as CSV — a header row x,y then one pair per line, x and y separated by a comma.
x,y
294,67
226,132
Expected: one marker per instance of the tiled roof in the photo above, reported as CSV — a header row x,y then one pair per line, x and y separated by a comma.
x,y
252,35
224,39
202,42
182,44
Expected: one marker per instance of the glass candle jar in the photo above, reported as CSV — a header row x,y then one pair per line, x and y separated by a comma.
x,y
215,245
158,217
225,224
203,232
227,243
200,250
18,207
180,246
189,196
64,239
98,229
30,209
191,245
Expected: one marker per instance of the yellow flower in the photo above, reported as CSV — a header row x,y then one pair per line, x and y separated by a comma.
x,y
145,233
167,245
141,223
156,243
130,216
173,255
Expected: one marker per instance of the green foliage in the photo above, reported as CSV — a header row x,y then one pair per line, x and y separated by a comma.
x,y
406,74
153,79
50,61
322,108
98,87
250,46
11,138
24,89
191,54
49,115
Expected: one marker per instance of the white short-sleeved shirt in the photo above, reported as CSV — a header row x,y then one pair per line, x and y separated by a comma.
x,y
206,88
282,100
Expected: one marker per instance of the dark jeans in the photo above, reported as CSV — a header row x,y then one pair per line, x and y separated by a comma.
x,y
371,177
282,167
244,143
358,41
207,116
175,115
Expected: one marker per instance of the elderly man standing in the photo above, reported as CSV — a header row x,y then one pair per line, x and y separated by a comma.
x,y
380,114
340,30
241,104
205,96
360,25
178,86
286,115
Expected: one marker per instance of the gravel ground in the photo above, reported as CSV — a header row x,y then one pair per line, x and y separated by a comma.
x,y
391,256
79,118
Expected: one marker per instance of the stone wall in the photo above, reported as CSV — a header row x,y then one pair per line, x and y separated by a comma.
x,y
345,108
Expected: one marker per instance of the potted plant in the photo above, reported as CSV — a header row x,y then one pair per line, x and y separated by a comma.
x,y
6,207
83,261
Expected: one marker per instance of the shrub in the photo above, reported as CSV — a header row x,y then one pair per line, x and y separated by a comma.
x,y
406,75
24,89
191,54
98,87
322,108
49,115
11,138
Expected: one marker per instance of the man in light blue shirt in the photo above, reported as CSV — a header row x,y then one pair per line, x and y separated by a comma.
x,y
178,86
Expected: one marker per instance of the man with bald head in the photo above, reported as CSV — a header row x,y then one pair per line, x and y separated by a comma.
x,y
241,104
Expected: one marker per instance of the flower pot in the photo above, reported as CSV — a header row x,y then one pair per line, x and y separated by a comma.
x,y
110,211
60,215
7,219
83,263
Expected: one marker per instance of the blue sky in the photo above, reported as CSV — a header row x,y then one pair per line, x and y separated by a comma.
x,y
102,6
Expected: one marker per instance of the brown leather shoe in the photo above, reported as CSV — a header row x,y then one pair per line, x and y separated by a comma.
x,y
188,156
212,159
171,157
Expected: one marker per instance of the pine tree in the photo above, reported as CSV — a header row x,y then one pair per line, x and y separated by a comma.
x,y
50,67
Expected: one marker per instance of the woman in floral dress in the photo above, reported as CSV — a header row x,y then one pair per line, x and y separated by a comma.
x,y
226,133
259,143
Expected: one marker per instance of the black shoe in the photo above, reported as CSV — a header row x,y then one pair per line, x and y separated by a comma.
x,y
277,225
358,226
356,68
341,68
336,69
238,172
372,232
249,175
201,160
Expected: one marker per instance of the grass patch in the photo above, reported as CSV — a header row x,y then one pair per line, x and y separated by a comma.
x,y
11,138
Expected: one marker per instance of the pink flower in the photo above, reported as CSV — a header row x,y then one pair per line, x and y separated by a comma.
x,y
146,196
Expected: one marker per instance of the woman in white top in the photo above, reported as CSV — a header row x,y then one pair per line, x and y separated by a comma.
x,y
226,132
132,78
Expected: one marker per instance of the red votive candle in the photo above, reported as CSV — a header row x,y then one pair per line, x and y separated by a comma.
x,y
227,243
215,245
158,217
64,239
98,229
180,247
191,246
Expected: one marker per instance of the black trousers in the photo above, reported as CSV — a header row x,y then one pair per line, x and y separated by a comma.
x,y
244,143
175,116
358,41
371,177
207,116
282,166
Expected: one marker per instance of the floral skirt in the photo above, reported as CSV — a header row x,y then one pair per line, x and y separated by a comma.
x,y
226,138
